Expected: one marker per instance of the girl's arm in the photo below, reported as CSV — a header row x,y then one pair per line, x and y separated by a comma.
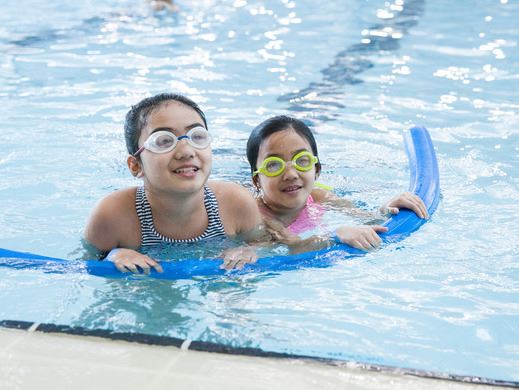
x,y
102,230
334,202
241,219
113,222
238,210
364,237
405,200
113,229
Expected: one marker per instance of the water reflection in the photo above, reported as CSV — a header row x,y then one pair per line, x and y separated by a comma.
x,y
205,309
323,97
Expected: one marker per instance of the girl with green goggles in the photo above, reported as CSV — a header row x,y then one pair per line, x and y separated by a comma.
x,y
295,200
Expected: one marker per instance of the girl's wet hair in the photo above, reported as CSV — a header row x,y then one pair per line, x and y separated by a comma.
x,y
138,116
273,125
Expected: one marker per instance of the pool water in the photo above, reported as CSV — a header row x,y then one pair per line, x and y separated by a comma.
x,y
361,72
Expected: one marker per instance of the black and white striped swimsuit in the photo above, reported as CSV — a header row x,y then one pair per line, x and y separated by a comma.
x,y
150,236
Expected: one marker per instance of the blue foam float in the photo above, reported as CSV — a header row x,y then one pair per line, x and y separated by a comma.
x,y
424,182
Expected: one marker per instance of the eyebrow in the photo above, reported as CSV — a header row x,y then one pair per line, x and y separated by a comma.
x,y
293,153
187,128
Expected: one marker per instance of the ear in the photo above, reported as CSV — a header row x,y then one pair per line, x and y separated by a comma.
x,y
135,167
317,170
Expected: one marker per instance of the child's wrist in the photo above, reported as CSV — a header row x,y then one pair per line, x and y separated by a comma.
x,y
112,253
334,238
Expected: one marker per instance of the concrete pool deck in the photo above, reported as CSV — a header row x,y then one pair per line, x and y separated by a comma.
x,y
35,360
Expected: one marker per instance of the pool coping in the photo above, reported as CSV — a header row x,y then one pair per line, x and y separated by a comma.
x,y
205,346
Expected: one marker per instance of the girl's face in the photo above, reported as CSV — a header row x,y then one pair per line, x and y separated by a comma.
x,y
289,191
184,169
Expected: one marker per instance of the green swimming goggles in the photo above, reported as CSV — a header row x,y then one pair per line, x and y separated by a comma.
x,y
275,166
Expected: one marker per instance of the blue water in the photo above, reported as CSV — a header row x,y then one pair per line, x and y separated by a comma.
x,y
362,71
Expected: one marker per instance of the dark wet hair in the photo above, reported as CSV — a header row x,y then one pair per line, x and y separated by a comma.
x,y
138,116
272,125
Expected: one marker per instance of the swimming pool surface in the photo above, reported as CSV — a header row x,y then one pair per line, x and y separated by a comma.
x,y
446,299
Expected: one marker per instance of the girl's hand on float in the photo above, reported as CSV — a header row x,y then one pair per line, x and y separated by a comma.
x,y
361,237
128,260
236,258
406,200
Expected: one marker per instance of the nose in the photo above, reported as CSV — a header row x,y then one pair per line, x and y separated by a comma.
x,y
290,172
183,150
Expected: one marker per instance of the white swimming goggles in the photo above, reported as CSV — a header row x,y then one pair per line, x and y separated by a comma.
x,y
163,141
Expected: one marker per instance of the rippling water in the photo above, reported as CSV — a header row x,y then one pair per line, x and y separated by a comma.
x,y
445,299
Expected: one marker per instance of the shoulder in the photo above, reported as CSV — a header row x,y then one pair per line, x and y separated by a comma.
x,y
323,196
320,196
118,202
228,191
238,208
113,220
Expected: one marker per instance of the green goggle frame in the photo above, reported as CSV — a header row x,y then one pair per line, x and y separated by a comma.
x,y
275,166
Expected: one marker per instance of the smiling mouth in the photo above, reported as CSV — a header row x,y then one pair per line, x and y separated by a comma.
x,y
291,189
186,170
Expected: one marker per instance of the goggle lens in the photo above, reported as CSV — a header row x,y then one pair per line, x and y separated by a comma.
x,y
304,162
274,167
199,138
162,141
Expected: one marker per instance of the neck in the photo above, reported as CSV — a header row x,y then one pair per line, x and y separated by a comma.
x,y
285,216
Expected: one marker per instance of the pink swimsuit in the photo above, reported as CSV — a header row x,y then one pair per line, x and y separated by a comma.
x,y
309,217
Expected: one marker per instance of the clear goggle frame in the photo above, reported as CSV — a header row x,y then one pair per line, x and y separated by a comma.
x,y
164,141
275,166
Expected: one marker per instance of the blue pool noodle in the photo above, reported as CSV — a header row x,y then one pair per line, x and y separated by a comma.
x,y
424,182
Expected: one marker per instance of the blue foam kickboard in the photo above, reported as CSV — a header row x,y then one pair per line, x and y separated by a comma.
x,y
424,181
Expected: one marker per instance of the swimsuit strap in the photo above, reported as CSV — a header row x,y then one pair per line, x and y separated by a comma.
x,y
150,236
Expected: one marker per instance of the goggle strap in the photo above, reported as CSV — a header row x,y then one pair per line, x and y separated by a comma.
x,y
323,186
139,151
